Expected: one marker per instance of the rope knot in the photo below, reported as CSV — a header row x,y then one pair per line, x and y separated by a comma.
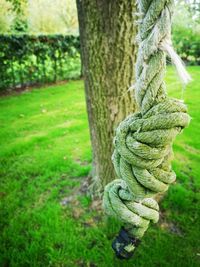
x,y
143,142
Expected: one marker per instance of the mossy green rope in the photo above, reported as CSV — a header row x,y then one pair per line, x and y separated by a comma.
x,y
143,141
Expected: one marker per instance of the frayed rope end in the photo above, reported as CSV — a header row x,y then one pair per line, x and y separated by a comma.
x,y
177,61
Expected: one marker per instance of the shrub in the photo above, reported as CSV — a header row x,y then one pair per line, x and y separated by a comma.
x,y
27,60
186,33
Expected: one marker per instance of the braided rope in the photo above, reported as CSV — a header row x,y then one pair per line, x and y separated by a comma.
x,y
143,141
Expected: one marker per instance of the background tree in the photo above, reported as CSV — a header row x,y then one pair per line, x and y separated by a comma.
x,y
194,7
107,34
19,23
7,16
51,17
186,31
67,12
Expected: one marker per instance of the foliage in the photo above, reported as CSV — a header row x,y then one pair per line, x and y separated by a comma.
x,y
45,156
19,24
186,34
51,17
7,16
38,17
194,8
28,60
60,16
68,14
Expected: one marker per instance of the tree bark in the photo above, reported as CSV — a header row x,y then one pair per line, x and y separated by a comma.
x,y
108,52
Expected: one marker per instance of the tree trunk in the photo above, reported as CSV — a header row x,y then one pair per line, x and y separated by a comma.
x,y
107,33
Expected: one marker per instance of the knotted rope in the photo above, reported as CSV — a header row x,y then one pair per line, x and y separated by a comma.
x,y
143,141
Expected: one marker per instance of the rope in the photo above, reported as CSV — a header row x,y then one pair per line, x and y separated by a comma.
x,y
143,141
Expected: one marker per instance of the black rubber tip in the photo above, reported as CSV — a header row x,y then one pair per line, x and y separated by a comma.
x,y
121,242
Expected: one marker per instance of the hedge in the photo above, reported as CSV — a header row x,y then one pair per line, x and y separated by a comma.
x,y
187,43
27,60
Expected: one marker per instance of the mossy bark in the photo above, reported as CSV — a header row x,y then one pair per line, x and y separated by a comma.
x,y
107,33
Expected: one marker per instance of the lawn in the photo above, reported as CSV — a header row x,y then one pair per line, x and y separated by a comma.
x,y
46,220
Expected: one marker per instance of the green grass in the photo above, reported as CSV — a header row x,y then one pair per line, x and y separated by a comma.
x,y
45,156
